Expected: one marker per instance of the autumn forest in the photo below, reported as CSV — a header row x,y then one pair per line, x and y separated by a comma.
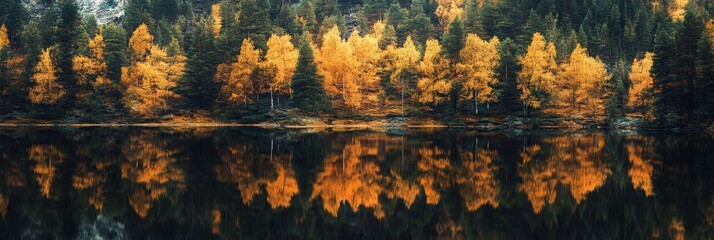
x,y
255,61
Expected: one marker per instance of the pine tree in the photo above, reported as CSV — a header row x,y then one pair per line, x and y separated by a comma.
x,y
137,12
115,51
197,85
309,94
453,40
67,31
705,72
254,22
666,89
686,42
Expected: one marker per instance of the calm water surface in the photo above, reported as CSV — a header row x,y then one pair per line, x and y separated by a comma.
x,y
240,183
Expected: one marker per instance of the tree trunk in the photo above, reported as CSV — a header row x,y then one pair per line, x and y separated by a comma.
x,y
402,98
271,100
476,101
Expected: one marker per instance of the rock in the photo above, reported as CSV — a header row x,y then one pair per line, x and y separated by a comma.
x,y
102,228
627,123
104,10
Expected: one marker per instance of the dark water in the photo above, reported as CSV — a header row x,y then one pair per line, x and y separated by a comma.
x,y
238,183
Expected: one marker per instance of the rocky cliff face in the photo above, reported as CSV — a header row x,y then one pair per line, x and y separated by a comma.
x,y
104,10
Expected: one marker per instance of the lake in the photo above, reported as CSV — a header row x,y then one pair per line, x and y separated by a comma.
x,y
249,183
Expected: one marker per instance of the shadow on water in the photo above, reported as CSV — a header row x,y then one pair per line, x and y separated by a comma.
x,y
228,183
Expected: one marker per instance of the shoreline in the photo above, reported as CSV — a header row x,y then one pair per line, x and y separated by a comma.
x,y
346,126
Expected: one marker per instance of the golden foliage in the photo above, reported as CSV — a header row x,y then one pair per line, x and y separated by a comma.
x,y
140,42
538,71
91,69
46,158
582,83
348,67
477,64
433,87
476,179
150,82
434,169
448,10
346,178
641,170
216,15
45,89
677,9
151,169
216,223
237,78
92,177
642,82
4,41
709,30
274,173
4,202
283,56
576,161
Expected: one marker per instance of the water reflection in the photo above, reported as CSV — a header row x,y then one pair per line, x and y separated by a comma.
x,y
251,183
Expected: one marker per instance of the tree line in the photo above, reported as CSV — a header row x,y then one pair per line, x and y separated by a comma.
x,y
247,59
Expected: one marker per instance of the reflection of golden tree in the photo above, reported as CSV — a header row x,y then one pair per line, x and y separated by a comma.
x,y
434,171
150,166
641,170
575,161
4,202
239,167
216,223
403,189
46,158
92,177
347,178
476,181
282,189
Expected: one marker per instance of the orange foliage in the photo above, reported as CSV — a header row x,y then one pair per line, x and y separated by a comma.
x,y
151,168
477,183
46,158
641,170
275,174
576,161
346,178
45,89
4,41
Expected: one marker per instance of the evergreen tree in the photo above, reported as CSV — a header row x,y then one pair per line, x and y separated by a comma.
x,y
254,22
686,42
665,79
472,23
617,87
166,9
197,84
453,40
508,67
13,15
137,12
228,43
307,85
115,51
66,33
705,75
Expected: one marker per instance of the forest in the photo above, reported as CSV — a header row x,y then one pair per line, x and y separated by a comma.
x,y
253,61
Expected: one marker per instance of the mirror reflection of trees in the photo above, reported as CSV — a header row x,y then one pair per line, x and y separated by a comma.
x,y
242,183
576,161
151,168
